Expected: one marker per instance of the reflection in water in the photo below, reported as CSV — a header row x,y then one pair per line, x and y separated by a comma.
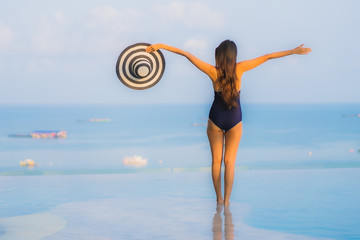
x,y
229,226
217,224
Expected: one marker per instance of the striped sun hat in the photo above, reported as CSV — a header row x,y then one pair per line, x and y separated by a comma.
x,y
138,69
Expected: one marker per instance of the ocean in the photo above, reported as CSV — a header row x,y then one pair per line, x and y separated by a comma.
x,y
143,172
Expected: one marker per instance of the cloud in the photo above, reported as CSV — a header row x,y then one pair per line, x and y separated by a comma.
x,y
100,30
2,65
50,36
109,18
192,14
108,27
59,17
105,14
196,46
6,36
40,65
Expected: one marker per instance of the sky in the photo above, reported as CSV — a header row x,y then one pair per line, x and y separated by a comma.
x,y
65,52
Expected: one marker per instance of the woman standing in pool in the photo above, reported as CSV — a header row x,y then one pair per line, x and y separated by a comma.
x,y
224,124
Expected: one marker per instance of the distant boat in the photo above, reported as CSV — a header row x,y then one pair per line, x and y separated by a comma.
x,y
96,120
42,134
352,115
135,161
20,135
49,134
27,163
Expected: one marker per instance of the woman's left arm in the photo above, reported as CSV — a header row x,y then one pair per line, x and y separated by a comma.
x,y
205,67
250,64
298,50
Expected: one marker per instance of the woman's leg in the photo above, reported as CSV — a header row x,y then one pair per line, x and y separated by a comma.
x,y
216,140
232,140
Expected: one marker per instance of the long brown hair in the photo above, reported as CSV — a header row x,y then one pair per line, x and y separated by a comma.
x,y
225,57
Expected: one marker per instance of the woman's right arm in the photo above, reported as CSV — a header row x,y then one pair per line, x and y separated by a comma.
x,y
205,67
250,64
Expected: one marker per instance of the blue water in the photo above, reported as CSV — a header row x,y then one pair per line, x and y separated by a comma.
x,y
297,166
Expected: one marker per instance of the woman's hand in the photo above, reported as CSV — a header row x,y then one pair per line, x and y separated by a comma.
x,y
153,48
301,50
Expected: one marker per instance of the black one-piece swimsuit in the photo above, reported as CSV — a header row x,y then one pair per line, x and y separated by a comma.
x,y
222,116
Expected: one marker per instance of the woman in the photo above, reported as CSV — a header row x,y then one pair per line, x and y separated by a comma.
x,y
224,124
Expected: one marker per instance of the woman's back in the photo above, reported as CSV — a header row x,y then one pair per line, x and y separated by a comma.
x,y
239,73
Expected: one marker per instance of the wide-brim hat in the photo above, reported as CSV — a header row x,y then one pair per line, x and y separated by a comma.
x,y
138,69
